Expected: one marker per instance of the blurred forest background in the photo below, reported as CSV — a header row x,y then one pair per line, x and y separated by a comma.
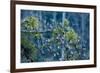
x,y
54,36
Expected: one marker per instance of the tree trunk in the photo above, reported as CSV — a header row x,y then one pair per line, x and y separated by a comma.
x,y
63,49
